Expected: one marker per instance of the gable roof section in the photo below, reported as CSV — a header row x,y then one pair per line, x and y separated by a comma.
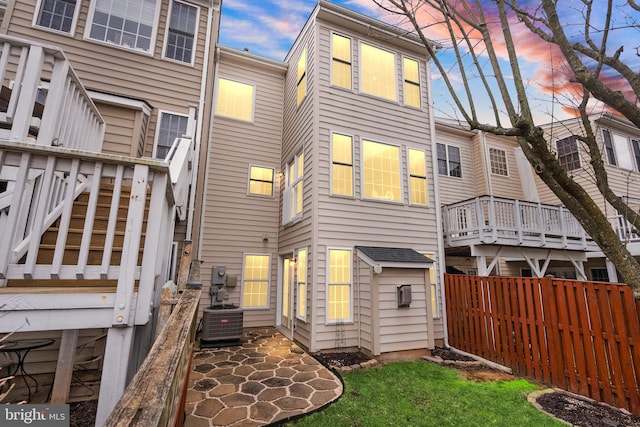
x,y
393,257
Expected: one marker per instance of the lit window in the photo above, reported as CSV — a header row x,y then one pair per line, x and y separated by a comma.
x,y
339,284
608,145
301,305
417,176
341,65
127,23
341,165
568,153
411,70
378,72
636,152
302,77
449,160
171,126
498,160
434,288
256,279
261,181
181,32
235,100
292,196
57,14
381,170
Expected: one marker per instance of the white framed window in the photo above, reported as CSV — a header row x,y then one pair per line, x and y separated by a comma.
x,y
301,284
435,307
301,83
622,148
170,126
381,171
635,145
339,286
378,72
417,177
341,164
599,275
131,24
568,154
180,38
411,71
293,189
608,147
498,161
341,61
256,280
449,160
261,181
57,15
235,100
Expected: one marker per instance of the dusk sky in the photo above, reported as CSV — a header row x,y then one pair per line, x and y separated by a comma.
x,y
268,28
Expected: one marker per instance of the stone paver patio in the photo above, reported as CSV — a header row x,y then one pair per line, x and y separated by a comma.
x,y
267,379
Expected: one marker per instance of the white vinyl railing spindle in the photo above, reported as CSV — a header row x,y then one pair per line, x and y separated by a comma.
x,y
65,219
113,221
89,221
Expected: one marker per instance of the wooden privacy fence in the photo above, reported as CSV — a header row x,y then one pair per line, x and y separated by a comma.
x,y
583,337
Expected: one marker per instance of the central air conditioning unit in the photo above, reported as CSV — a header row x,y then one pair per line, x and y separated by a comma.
x,y
221,323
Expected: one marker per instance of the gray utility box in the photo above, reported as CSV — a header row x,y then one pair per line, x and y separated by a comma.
x,y
222,326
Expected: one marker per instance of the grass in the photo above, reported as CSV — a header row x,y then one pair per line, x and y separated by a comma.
x,y
424,394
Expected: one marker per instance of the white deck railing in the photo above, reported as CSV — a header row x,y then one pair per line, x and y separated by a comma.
x,y
42,100
494,220
625,231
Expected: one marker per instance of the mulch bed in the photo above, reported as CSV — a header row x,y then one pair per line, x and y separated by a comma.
x,y
580,412
341,359
83,414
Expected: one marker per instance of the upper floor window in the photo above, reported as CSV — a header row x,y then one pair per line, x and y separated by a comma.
x,y
417,176
635,144
411,69
619,149
302,77
341,62
255,281
377,72
181,32
57,15
341,165
498,161
449,160
171,126
261,181
293,191
381,171
235,100
301,281
339,286
608,146
126,23
568,154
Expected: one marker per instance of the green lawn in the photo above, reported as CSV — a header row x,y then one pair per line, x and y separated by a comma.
x,y
424,394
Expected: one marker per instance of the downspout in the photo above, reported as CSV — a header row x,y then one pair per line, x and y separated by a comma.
x,y
436,201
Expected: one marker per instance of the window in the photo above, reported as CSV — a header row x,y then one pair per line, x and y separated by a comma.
x,y
599,275
498,160
301,283
256,279
171,126
568,155
378,72
417,176
292,197
181,32
636,152
261,181
339,286
608,146
434,288
411,70
126,23
381,171
621,146
341,63
235,100
57,15
341,165
302,77
449,160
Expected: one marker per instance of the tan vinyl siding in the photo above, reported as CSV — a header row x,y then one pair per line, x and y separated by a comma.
x,y
120,129
453,189
504,186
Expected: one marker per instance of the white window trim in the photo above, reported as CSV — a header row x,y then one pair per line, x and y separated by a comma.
x,y
395,72
506,161
302,318
266,307
327,285
215,100
273,183
331,64
433,286
362,183
195,34
426,178
448,175
289,220
152,43
353,165
74,22
404,98
157,128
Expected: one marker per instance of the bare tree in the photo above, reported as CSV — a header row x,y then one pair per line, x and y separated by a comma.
x,y
471,27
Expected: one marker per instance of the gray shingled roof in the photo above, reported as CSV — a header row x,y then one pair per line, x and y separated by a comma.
x,y
382,254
